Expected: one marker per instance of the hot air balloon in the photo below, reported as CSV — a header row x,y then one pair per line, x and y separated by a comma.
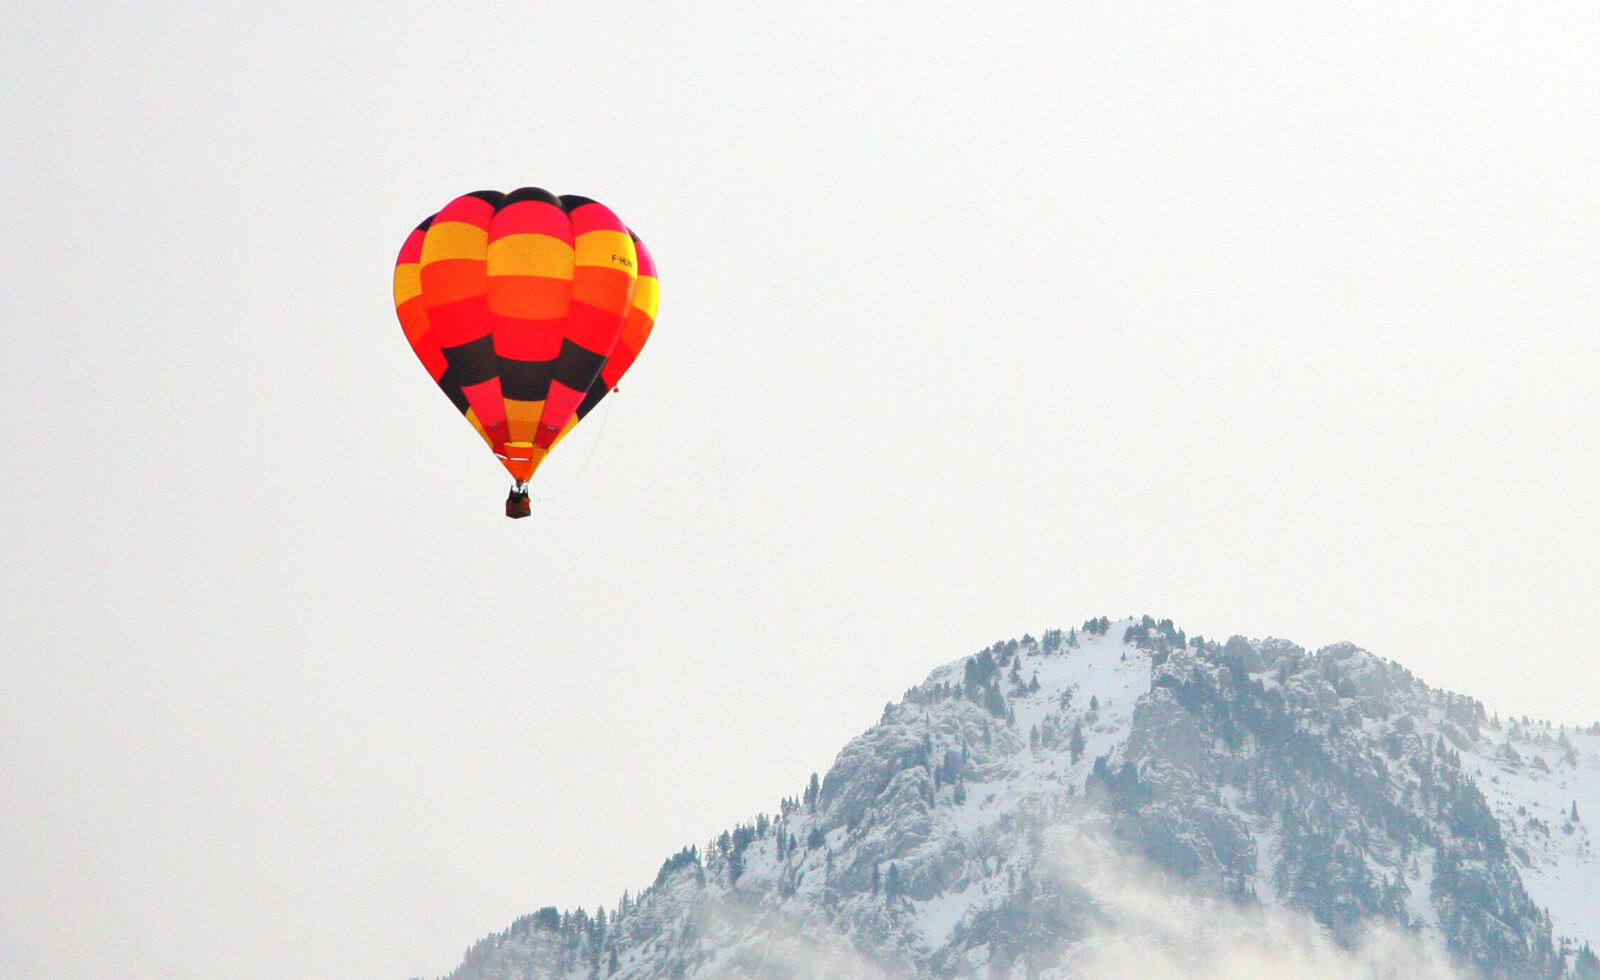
x,y
526,309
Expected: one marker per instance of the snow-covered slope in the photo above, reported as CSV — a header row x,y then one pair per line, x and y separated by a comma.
x,y
1541,782
1121,797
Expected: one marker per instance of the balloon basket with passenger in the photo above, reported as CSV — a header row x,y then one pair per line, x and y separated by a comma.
x,y
517,504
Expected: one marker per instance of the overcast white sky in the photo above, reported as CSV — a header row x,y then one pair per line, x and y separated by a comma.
x,y
1274,319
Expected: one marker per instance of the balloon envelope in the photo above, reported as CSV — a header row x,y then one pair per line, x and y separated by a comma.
x,y
526,309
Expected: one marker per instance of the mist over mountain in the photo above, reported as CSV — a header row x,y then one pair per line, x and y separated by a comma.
x,y
1121,799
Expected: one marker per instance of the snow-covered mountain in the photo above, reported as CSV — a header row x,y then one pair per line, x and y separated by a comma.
x,y
1121,800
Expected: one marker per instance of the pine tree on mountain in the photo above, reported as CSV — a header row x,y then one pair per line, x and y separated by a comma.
x,y
1075,744
1101,770
994,702
1586,965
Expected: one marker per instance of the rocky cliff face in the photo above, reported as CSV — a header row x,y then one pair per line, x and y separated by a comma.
x,y
1120,796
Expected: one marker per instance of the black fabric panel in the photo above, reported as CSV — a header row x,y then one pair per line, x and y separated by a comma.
x,y
427,222
530,194
572,202
526,381
578,366
492,198
452,390
473,362
592,397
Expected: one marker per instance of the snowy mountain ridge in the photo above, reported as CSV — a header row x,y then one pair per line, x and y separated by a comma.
x,y
1122,795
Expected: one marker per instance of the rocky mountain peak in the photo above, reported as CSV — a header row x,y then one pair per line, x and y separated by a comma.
x,y
1013,812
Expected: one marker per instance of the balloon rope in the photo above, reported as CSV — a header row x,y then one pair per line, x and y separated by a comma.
x,y
600,432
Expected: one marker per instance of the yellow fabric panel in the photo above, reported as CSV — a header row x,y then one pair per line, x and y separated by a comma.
x,y
473,418
613,249
454,240
647,295
407,282
572,422
531,255
522,418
